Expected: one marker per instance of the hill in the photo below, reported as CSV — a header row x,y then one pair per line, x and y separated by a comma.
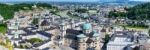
x,y
138,12
7,11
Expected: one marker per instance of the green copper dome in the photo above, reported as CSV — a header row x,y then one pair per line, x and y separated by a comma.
x,y
87,26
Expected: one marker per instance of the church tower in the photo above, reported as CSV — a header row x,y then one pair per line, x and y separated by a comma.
x,y
82,42
96,39
16,27
15,32
63,28
72,24
63,32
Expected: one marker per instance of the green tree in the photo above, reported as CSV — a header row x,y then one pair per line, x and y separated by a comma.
x,y
3,28
107,38
138,12
81,10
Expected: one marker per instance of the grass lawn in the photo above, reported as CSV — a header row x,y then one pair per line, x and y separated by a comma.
x,y
136,28
35,40
92,11
63,13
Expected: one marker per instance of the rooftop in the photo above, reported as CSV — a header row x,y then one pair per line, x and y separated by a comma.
x,y
81,36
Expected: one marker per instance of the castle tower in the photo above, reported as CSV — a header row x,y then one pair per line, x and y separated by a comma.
x,y
82,42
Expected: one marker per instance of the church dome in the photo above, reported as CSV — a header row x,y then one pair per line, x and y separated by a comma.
x,y
87,26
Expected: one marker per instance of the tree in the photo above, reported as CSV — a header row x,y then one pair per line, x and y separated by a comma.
x,y
23,46
106,38
116,14
3,28
81,10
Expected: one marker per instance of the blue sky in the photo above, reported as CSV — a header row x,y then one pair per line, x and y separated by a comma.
x,y
66,0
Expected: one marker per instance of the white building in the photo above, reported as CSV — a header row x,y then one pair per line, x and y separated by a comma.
x,y
120,41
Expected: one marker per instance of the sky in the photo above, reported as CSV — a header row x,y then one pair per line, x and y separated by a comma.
x,y
64,0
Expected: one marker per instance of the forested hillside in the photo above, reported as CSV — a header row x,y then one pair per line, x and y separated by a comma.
x,y
138,12
7,11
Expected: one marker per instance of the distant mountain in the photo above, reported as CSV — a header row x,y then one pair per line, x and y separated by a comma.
x,y
114,0
121,1
141,0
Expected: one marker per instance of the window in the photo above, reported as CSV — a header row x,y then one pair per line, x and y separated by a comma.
x,y
83,44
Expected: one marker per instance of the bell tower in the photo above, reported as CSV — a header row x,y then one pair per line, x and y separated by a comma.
x,y
82,42
63,33
96,39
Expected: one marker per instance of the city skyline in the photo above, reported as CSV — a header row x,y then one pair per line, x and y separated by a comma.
x,y
74,25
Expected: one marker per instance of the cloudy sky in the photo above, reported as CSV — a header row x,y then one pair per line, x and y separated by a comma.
x,y
65,0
